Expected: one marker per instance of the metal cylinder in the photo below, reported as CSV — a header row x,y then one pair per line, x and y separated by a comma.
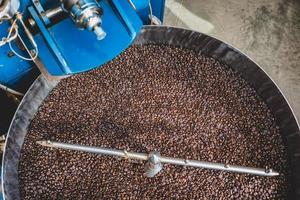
x,y
68,4
86,14
8,8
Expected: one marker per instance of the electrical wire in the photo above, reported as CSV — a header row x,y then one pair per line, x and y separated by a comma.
x,y
12,27
150,9
28,51
18,35
8,40
11,37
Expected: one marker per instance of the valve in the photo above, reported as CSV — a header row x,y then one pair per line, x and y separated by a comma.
x,y
86,14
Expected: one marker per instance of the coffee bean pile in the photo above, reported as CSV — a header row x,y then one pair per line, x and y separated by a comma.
x,y
149,98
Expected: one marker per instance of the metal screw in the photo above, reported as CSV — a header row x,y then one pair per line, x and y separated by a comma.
x,y
10,54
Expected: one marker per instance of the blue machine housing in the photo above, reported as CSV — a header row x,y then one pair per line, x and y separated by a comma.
x,y
69,50
64,49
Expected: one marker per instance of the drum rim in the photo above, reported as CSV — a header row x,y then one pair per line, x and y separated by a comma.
x,y
165,35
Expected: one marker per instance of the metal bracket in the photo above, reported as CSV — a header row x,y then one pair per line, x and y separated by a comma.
x,y
50,42
153,165
131,30
39,8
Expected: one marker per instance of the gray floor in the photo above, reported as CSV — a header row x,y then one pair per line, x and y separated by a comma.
x,y
266,30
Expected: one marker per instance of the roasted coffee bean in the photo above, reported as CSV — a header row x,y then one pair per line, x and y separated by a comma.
x,y
149,98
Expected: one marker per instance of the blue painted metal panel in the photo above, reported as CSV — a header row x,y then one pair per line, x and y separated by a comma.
x,y
79,48
158,8
12,68
142,7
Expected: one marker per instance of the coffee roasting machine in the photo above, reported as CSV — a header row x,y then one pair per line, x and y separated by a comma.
x,y
59,38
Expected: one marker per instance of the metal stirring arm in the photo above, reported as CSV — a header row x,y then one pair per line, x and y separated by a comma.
x,y
155,160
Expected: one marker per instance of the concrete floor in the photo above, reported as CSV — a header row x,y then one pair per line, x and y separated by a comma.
x,y
267,30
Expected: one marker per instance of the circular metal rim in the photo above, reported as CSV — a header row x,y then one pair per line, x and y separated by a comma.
x,y
165,35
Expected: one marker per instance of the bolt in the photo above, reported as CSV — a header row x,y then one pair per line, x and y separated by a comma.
x,y
99,32
10,54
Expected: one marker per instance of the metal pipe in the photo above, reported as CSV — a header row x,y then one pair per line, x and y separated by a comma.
x,y
7,89
162,159
53,12
97,150
219,166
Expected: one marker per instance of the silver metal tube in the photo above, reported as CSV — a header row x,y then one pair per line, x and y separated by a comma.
x,y
162,159
97,150
49,14
219,166
53,12
7,89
